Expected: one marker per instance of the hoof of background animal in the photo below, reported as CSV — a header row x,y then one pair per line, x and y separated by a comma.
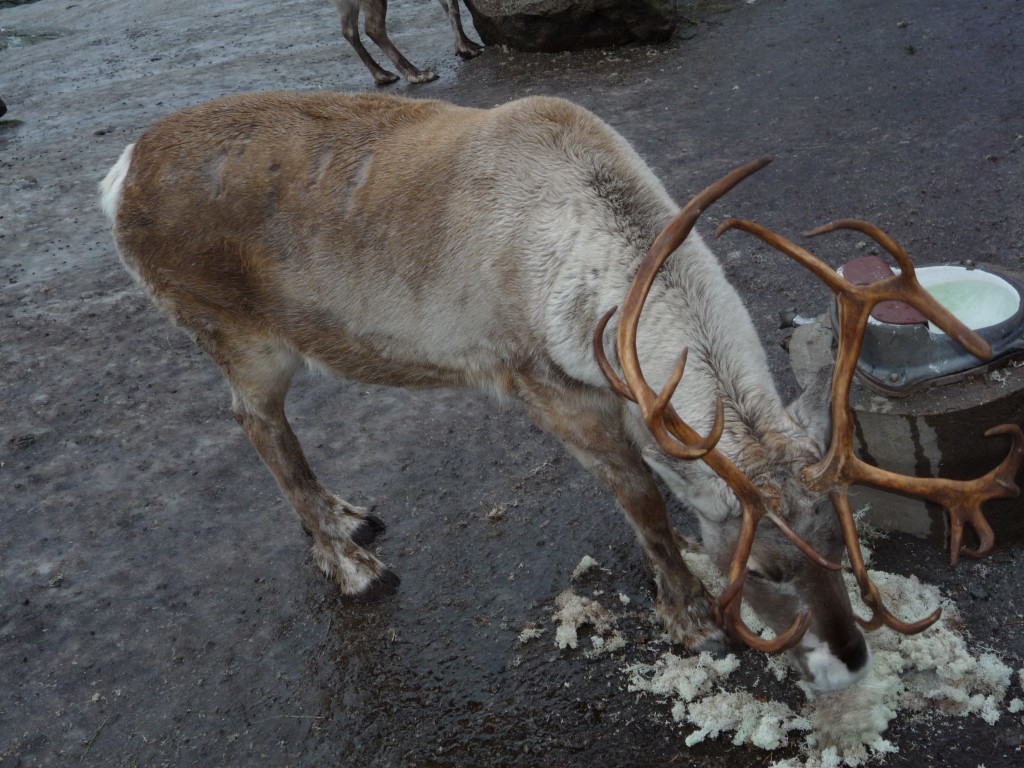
x,y
471,51
385,585
368,530
385,78
423,77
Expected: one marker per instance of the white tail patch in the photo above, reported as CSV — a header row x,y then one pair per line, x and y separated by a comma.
x,y
113,184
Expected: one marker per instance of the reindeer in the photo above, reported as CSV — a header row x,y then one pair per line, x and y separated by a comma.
x,y
421,244
375,12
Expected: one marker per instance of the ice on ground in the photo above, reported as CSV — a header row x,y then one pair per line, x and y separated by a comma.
x,y
763,724
696,684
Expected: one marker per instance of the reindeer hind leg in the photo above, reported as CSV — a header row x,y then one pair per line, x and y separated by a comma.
x,y
260,371
375,12
348,10
464,46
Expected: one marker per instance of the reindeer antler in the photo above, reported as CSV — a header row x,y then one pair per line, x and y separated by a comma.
x,y
680,440
840,467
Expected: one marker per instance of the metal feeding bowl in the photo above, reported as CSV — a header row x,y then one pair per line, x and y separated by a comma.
x,y
903,351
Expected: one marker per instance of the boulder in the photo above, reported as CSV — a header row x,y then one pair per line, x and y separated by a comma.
x,y
563,25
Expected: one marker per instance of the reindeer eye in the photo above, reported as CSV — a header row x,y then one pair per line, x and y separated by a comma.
x,y
769,577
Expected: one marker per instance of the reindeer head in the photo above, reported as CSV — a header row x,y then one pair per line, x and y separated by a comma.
x,y
799,486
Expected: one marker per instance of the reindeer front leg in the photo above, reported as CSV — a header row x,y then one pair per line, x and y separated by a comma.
x,y
683,603
590,426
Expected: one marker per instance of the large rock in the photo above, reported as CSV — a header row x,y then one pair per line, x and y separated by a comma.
x,y
561,25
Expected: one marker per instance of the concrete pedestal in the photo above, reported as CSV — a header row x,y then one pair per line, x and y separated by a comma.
x,y
936,432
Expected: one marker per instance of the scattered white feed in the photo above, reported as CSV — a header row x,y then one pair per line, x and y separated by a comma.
x,y
575,612
530,632
763,724
685,677
586,564
932,672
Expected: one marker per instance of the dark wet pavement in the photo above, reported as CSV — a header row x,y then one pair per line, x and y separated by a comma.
x,y
159,602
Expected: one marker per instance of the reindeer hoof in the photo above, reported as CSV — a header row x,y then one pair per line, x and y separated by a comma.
x,y
470,51
718,645
384,585
422,77
385,78
688,621
700,638
369,529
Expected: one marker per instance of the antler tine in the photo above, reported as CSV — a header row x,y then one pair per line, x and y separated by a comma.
x,y
660,411
1000,477
676,230
876,234
822,271
910,290
902,287
621,388
674,436
841,467
869,591
726,610
727,607
802,545
727,615
963,499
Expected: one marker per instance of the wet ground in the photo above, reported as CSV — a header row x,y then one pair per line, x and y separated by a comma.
x,y
158,603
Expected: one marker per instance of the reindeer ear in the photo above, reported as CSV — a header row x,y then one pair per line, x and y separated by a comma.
x,y
812,410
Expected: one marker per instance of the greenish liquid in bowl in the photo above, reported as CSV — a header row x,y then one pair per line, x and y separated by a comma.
x,y
975,304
